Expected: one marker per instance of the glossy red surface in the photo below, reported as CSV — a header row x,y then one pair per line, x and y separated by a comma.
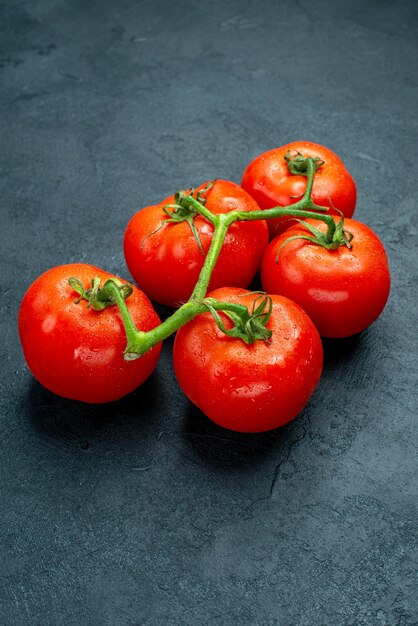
x,y
166,261
342,290
249,388
75,351
268,180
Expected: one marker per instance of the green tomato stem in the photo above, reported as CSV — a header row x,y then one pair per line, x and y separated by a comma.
x,y
139,342
208,215
111,289
219,234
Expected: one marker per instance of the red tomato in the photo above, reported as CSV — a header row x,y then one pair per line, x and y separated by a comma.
x,y
166,263
75,351
249,388
268,180
343,290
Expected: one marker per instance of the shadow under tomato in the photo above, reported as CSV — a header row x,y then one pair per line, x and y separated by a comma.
x,y
337,351
69,422
212,446
255,284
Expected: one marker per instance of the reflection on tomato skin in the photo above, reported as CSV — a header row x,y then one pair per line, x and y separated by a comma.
x,y
328,296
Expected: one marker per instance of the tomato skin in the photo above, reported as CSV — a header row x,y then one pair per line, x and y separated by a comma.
x,y
268,180
249,388
343,290
167,263
75,351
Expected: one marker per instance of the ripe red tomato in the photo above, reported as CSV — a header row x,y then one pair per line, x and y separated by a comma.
x,y
249,388
166,263
343,290
268,180
75,351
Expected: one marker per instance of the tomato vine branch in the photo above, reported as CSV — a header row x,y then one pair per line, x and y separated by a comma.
x,y
248,326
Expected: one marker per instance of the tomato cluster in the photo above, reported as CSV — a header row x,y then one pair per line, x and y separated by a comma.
x,y
248,366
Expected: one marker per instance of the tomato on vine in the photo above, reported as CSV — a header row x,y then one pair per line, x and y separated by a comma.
x,y
166,244
272,182
343,290
244,386
76,348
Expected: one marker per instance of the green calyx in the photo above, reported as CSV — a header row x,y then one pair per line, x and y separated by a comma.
x,y
298,164
248,326
334,237
98,297
183,209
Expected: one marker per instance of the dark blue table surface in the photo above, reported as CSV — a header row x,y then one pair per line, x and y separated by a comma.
x,y
143,512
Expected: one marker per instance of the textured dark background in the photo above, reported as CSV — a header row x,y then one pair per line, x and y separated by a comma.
x,y
143,512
